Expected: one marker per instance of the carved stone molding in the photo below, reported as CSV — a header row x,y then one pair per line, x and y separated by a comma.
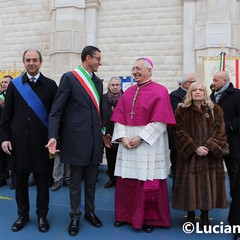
x,y
92,4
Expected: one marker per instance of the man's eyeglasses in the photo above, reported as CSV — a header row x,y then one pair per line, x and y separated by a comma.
x,y
98,58
190,81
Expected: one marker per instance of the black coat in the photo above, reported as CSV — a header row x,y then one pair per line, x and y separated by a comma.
x,y
107,110
176,97
81,136
234,211
230,103
20,125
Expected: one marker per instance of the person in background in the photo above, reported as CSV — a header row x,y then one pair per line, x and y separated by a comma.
x,y
234,211
228,98
200,138
4,158
23,134
109,102
141,118
61,173
76,110
177,97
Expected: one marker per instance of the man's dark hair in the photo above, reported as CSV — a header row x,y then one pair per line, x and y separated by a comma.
x,y
39,54
88,50
8,76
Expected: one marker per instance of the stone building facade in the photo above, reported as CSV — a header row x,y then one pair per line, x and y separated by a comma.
x,y
175,34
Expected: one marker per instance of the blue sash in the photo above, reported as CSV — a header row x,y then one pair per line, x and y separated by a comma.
x,y
32,99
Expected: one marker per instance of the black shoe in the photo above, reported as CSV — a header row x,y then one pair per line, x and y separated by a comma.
x,y
119,224
19,224
32,183
110,183
93,219
56,186
43,225
191,217
3,183
73,227
147,228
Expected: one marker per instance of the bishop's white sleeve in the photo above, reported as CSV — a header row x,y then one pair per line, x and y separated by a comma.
x,y
152,131
119,132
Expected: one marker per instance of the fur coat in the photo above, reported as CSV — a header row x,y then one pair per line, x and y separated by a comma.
x,y
200,181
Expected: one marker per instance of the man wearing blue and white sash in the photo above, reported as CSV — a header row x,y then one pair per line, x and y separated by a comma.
x,y
24,134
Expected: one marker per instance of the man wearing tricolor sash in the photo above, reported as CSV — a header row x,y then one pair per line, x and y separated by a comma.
x,y
77,111
24,133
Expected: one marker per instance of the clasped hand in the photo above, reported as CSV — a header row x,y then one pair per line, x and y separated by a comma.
x,y
133,142
202,151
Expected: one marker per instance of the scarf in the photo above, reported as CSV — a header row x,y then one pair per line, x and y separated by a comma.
x,y
113,98
218,94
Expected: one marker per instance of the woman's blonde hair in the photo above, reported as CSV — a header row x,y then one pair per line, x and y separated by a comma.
x,y
188,98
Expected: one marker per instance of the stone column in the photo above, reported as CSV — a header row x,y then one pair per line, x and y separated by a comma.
x,y
189,22
217,26
67,35
217,29
92,7
1,42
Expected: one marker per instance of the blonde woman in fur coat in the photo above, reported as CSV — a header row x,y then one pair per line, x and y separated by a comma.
x,y
200,137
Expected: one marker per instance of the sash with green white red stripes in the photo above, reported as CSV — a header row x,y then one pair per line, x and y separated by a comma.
x,y
88,85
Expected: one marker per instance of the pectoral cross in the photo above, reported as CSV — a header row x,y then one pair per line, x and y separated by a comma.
x,y
135,97
131,114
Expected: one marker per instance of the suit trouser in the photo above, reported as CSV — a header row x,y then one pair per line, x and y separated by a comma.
x,y
4,162
173,159
22,197
232,165
111,155
77,174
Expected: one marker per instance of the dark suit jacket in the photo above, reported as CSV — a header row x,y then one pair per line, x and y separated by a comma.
x,y
176,97
106,115
81,136
20,125
230,103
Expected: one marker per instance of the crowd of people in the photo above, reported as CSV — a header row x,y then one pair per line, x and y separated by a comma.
x,y
75,123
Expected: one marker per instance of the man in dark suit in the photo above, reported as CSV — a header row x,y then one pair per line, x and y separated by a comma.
x,y
109,102
228,98
4,158
23,132
76,110
177,97
234,211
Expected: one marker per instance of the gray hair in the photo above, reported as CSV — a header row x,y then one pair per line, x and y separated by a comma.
x,y
114,78
146,62
186,77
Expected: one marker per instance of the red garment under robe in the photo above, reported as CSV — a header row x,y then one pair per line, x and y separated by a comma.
x,y
142,202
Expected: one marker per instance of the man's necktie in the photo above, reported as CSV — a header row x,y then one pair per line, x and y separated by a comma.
x,y
32,79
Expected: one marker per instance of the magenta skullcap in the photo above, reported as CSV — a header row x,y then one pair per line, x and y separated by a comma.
x,y
149,60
